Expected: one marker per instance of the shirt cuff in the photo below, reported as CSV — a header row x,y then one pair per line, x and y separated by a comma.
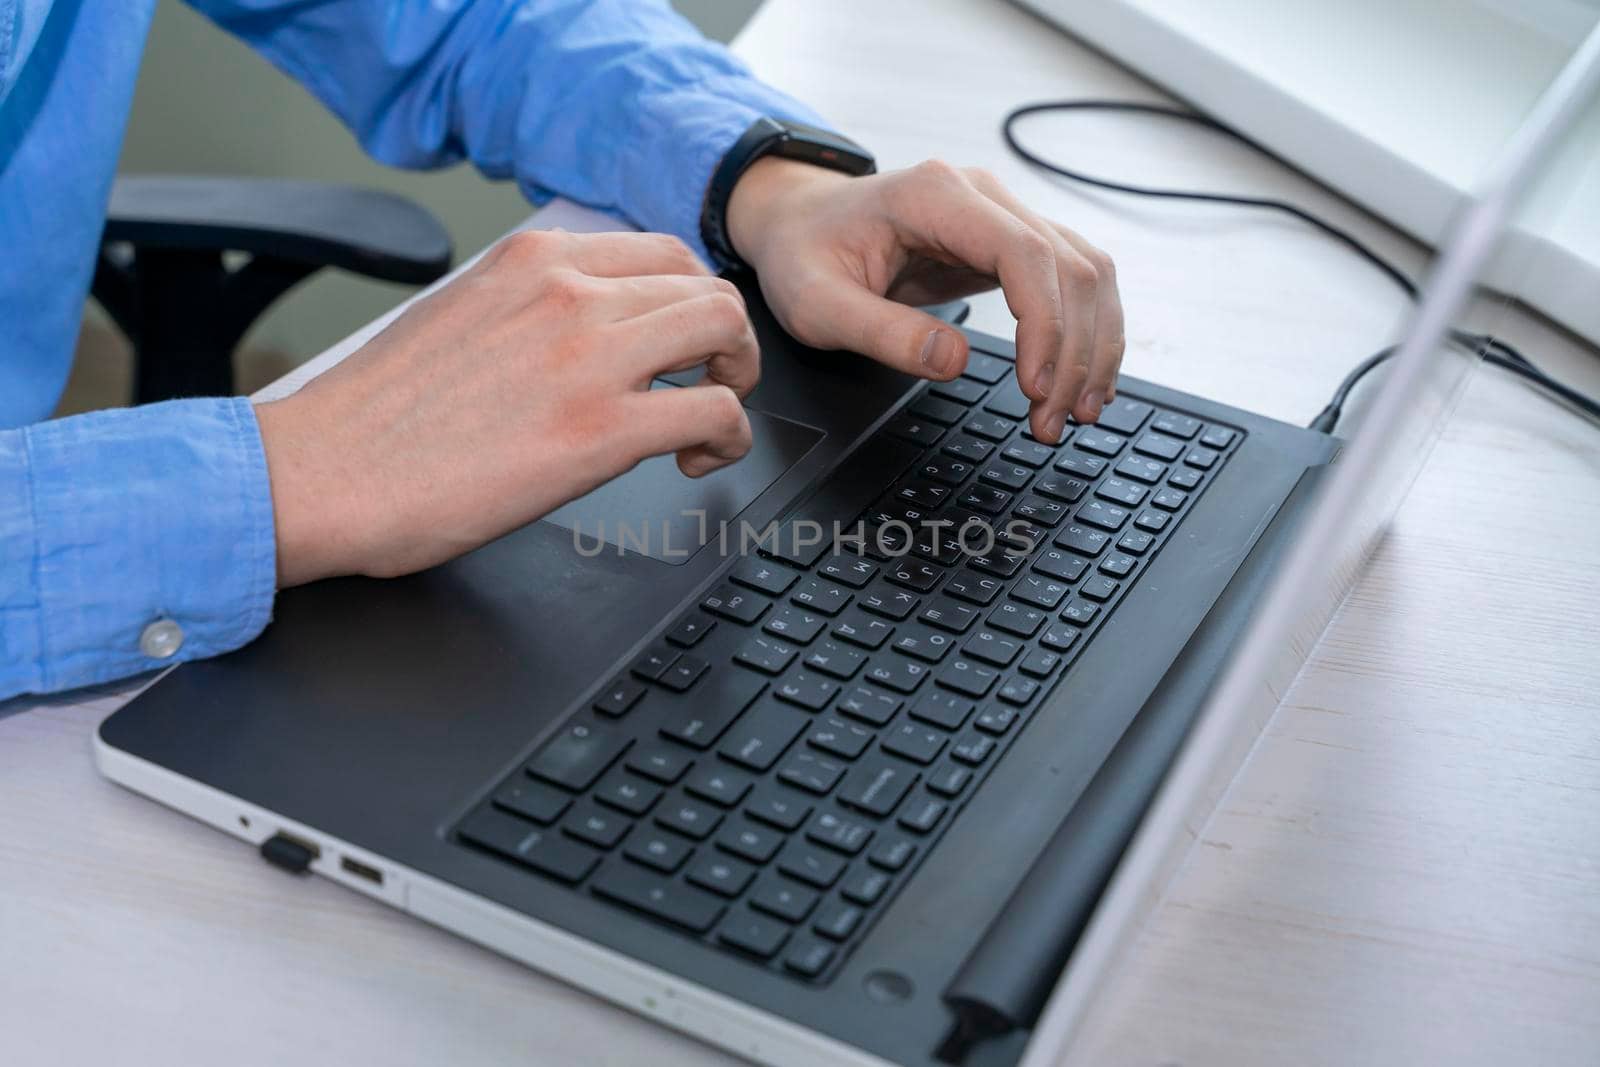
x,y
690,128
131,540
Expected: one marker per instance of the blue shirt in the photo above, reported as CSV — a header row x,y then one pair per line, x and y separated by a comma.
x,y
115,520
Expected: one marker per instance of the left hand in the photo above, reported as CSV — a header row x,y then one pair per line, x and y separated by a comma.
x,y
841,258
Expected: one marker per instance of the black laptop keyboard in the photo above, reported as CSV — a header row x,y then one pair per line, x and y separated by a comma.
x,y
767,775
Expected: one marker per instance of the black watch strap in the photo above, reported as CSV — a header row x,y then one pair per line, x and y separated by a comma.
x,y
771,137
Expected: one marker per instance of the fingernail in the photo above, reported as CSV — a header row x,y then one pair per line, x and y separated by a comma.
x,y
1046,378
939,353
1092,403
1055,424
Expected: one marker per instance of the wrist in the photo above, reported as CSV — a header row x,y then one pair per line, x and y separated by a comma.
x,y
311,537
766,193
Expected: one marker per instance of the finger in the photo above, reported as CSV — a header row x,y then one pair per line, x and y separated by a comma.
x,y
705,426
1066,386
627,298
623,255
1110,339
843,314
600,255
942,210
712,329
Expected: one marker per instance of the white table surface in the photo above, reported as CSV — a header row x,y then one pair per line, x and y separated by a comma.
x,y
1407,870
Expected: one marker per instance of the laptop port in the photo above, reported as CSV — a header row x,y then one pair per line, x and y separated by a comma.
x,y
361,870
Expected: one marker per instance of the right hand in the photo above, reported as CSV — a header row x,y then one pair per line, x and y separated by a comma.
x,y
521,385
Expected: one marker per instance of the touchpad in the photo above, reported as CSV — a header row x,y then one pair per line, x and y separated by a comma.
x,y
656,511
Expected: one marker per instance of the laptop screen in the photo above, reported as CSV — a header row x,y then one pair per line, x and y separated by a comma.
x,y
1391,425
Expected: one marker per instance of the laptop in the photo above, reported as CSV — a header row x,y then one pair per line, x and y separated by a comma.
x,y
873,748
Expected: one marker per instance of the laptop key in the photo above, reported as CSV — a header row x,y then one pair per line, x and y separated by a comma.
x,y
866,886
973,748
682,905
1154,521
916,743
962,391
876,785
936,409
1121,491
1218,437
806,691
1083,540
892,852
1188,478
691,630
887,600
862,629
658,762
622,695
1060,565
965,676
914,430
1169,499
818,595
1100,442
1058,637
948,614
1098,588
983,367
987,499
811,865
544,850
989,427
914,574
1018,691
653,662
811,772
1017,619
1170,422
965,446
1001,562
722,875
849,836
626,792
840,738
1105,516
761,736
1028,453
718,784
1006,475
1080,465
1143,470
789,901
1041,664
1063,487
1079,612
749,932
578,755
597,826
899,673
1038,509
689,817
945,470
854,571
730,602
796,625
655,848
1136,541
777,806
1124,415
766,654
970,585
699,722
1039,591
942,709
684,672
763,576
922,493
922,814
1118,565
1008,401
531,800
949,780
808,956
869,705
832,658
837,920
923,642
992,648
1162,448
754,843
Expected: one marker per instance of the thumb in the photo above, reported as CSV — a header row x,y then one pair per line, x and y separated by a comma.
x,y
850,316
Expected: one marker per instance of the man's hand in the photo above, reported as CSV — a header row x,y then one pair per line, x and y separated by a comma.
x,y
840,257
521,385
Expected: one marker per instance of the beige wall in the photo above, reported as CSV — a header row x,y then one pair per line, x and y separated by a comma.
x,y
207,104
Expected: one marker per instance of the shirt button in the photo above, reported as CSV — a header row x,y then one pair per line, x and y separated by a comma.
x,y
161,639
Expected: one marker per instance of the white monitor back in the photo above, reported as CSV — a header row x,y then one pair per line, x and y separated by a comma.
x,y
1400,105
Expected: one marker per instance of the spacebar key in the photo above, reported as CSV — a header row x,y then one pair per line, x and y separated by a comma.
x,y
845,494
701,719
672,901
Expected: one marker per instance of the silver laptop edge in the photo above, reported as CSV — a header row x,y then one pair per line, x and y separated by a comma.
x,y
1282,631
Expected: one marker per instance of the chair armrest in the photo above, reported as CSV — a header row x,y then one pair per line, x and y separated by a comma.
x,y
366,231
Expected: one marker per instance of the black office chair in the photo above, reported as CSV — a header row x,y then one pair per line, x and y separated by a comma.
x,y
163,277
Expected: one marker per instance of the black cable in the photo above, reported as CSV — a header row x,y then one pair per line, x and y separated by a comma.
x,y
1491,349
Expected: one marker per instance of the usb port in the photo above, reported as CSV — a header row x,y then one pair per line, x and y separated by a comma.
x,y
361,870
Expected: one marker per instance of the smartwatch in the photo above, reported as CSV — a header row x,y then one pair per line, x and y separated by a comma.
x,y
771,137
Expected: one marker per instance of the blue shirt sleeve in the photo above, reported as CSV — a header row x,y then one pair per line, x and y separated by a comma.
x,y
117,520
618,104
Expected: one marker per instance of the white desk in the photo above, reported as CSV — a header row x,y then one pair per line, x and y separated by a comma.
x,y
1408,871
